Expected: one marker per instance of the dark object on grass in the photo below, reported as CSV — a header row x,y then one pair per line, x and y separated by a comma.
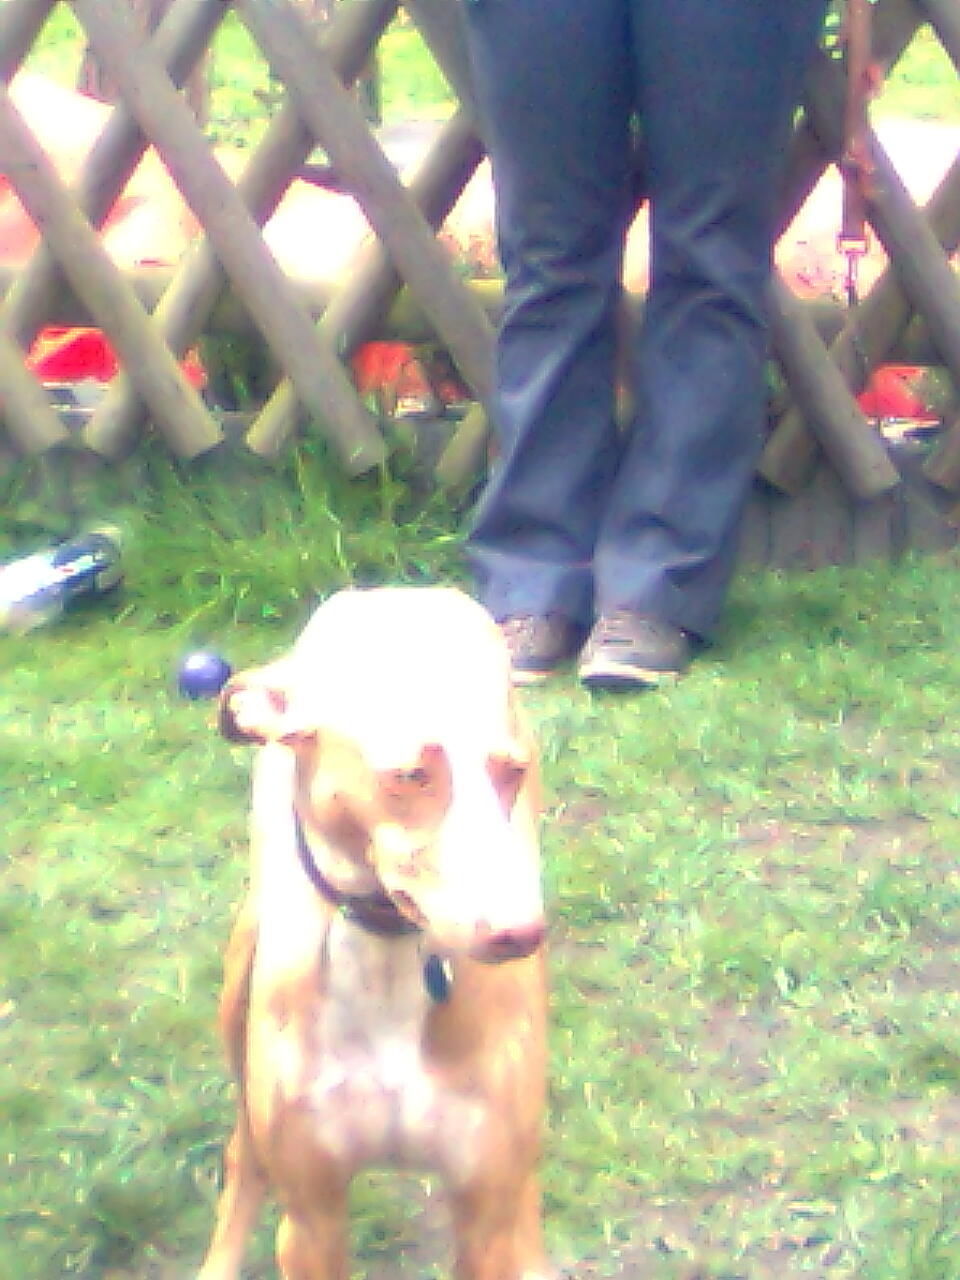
x,y
203,675
37,588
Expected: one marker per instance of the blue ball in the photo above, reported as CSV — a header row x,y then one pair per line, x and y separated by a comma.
x,y
203,675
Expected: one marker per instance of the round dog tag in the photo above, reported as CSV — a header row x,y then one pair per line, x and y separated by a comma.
x,y
438,978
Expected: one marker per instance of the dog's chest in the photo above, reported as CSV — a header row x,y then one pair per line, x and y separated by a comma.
x,y
375,1096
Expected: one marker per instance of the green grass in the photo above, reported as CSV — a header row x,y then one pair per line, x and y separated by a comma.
x,y
753,882
243,94
924,84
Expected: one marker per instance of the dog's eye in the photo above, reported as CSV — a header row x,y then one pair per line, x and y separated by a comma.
x,y
422,780
416,777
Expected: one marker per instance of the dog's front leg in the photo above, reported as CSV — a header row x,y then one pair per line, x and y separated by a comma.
x,y
498,1233
314,1245
240,1203
244,1186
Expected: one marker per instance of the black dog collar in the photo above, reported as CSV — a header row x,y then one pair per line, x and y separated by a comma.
x,y
378,914
375,912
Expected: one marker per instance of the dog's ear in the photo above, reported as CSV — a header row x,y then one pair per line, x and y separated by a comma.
x,y
255,707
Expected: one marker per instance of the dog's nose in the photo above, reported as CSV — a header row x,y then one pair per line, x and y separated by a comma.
x,y
510,944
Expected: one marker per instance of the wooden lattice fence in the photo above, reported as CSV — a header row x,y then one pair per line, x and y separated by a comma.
x,y
823,456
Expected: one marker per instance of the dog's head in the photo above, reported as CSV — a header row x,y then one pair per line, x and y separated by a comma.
x,y
413,773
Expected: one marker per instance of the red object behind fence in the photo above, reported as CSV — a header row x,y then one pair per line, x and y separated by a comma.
x,y
894,392
72,355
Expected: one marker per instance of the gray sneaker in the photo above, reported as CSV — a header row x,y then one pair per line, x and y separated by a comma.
x,y
632,651
539,645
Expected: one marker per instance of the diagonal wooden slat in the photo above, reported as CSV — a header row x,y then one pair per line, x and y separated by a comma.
x,y
902,228
175,404
186,305
285,323
441,178
348,316
831,412
896,22
24,408
179,41
943,466
789,458
20,24
373,280
338,124
868,337
923,266
823,397
944,17
909,241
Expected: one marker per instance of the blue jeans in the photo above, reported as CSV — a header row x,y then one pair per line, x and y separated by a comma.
x,y
579,516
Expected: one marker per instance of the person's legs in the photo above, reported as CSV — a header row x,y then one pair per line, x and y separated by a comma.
x,y
555,88
717,86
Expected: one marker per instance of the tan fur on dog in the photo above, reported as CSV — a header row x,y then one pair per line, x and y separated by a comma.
x,y
396,780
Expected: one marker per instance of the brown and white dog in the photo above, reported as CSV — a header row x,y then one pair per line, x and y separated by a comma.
x,y
384,995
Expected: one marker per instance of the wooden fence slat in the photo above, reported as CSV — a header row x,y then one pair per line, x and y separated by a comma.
x,y
20,24
176,405
877,528
462,459
944,16
24,408
790,457
190,297
405,322
907,238
753,544
874,327
179,41
830,410
286,325
869,336
372,279
901,227
208,282
442,27
352,313
923,266
895,24
943,466
339,126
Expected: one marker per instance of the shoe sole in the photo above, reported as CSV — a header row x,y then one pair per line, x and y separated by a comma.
x,y
623,676
521,678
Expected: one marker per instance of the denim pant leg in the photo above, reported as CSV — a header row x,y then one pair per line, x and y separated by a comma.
x,y
717,86
554,83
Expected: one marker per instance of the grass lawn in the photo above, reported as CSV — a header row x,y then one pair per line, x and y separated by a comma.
x,y
924,84
753,880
